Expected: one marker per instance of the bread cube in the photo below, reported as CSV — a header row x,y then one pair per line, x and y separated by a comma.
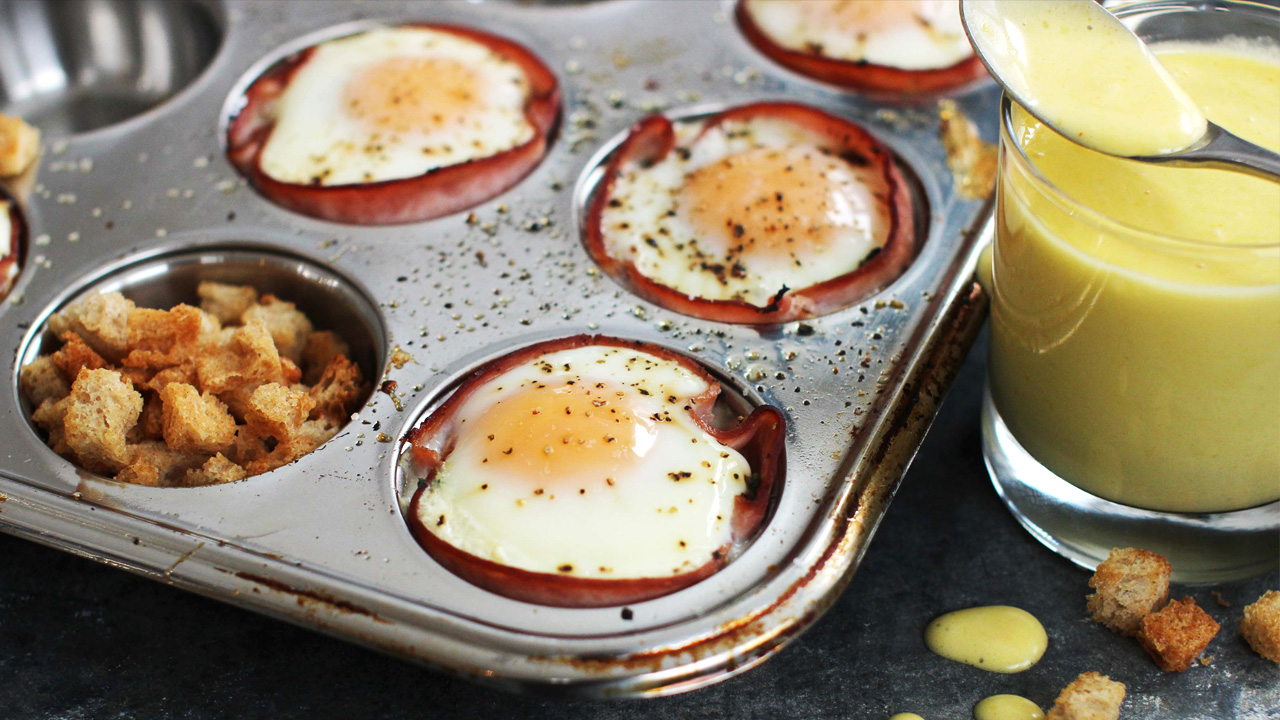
x,y
226,302
1260,625
290,373
216,470
337,391
1176,635
103,408
100,320
1090,696
151,423
278,412
289,328
154,463
249,357
75,355
313,434
195,422
182,373
162,338
1130,584
19,145
41,380
247,447
51,417
321,348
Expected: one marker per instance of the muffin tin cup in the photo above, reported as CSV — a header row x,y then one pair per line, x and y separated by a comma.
x,y
591,181
78,67
322,542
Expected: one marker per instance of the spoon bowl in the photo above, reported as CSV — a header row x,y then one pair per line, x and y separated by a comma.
x,y
1135,109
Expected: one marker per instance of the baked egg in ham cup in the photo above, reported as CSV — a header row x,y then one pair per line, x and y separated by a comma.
x,y
905,46
762,213
591,471
395,124
12,232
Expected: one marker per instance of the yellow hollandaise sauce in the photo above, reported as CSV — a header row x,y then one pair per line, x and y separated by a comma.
x,y
998,638
1007,707
1046,52
1136,309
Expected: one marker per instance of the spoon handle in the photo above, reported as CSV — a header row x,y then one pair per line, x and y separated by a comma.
x,y
1221,149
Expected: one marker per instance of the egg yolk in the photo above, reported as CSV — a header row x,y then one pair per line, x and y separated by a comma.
x,y
776,203
404,95
565,432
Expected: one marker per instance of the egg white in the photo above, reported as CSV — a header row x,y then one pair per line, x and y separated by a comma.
x,y
648,227
927,37
6,230
642,524
315,141
6,246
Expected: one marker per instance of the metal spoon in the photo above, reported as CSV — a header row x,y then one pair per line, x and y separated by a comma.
x,y
1220,148
1216,148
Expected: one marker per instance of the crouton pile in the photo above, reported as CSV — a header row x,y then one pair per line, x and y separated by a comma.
x,y
190,396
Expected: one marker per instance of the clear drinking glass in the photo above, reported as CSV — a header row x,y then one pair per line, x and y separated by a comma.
x,y
1133,395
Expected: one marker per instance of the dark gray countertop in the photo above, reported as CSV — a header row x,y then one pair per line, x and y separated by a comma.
x,y
81,640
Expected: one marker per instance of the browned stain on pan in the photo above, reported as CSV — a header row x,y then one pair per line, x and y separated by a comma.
x,y
311,598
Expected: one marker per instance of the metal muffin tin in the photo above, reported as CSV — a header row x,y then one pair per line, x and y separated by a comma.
x,y
151,203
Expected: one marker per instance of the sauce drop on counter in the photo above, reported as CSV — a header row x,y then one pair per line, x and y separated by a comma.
x,y
1007,707
997,638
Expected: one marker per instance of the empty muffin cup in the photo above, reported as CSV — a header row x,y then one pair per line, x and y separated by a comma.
x,y
72,67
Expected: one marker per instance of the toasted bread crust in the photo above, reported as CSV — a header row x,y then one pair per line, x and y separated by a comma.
x,y
75,355
1176,635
